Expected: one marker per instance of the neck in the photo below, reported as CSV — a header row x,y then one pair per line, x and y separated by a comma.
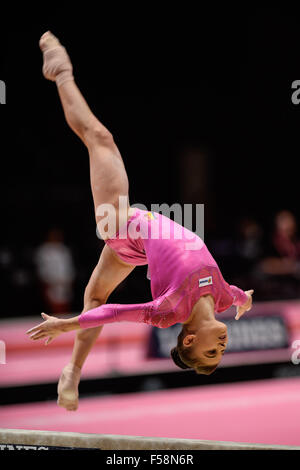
x,y
203,312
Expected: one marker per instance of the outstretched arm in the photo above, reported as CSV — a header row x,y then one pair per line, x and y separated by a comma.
x,y
107,275
107,313
111,313
53,327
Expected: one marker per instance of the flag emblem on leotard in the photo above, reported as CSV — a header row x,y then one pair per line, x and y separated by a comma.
x,y
205,281
150,215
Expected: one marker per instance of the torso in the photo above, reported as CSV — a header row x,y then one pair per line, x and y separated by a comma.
x,y
179,275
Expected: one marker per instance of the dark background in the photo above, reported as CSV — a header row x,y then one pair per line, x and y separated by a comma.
x,y
163,84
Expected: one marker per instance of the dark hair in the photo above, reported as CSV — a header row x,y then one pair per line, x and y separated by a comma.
x,y
182,358
176,358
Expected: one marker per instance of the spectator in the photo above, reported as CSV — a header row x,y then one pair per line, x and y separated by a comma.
x,y
285,237
249,246
240,255
244,253
283,264
55,271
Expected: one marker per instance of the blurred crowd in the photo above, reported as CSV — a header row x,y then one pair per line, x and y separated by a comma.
x,y
38,278
266,260
49,278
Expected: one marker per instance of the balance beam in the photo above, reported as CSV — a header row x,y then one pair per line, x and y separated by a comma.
x,y
19,439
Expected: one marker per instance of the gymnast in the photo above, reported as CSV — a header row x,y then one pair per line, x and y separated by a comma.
x,y
186,284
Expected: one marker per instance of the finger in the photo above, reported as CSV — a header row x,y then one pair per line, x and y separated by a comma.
x,y
35,328
45,316
33,334
35,338
39,335
237,314
49,340
240,313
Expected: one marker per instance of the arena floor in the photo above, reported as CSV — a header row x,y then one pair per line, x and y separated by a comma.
x,y
266,411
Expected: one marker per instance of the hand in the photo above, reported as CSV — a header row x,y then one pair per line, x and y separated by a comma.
x,y
51,328
240,310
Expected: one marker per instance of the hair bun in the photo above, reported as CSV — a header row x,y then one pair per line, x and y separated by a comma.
x,y
177,359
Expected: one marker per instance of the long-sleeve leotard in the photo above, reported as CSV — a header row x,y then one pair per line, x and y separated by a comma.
x,y
180,267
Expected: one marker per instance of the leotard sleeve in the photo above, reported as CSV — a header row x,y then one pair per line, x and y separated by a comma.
x,y
240,297
110,313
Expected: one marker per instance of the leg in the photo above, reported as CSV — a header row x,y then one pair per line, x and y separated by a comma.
x,y
108,175
108,182
108,274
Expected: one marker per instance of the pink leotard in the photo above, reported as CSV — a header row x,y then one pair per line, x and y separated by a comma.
x,y
180,267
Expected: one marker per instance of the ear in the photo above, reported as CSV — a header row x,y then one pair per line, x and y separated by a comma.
x,y
188,340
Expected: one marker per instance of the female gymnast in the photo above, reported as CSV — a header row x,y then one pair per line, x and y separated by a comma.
x,y
186,284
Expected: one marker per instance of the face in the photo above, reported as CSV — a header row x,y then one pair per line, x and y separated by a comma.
x,y
209,342
286,223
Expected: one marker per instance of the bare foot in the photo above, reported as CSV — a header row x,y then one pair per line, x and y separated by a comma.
x,y
48,41
57,66
68,387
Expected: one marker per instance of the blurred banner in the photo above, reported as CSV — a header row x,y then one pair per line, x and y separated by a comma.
x,y
268,335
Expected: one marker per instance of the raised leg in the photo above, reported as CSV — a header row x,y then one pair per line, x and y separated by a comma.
x,y
107,171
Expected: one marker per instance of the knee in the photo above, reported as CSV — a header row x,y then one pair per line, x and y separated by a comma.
x,y
97,134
